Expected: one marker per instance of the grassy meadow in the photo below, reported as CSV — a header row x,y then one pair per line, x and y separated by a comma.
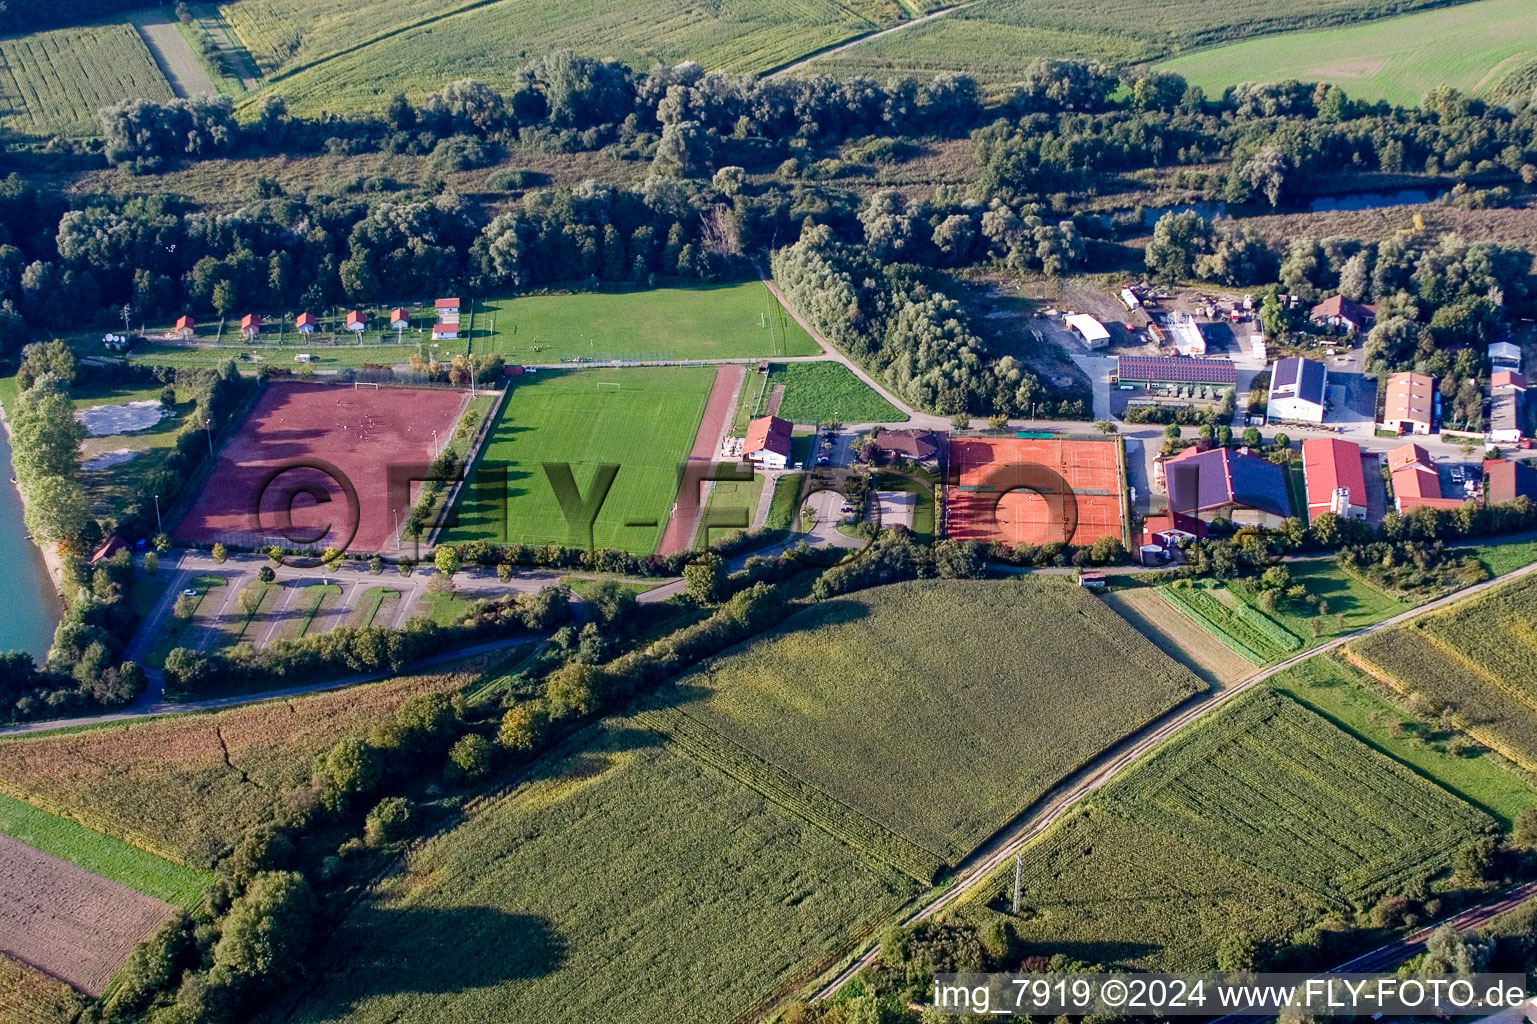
x,y
1257,820
54,82
621,882
828,392
997,673
102,855
707,322
1469,46
645,426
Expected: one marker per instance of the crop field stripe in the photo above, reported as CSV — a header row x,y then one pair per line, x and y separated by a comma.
x,y
102,855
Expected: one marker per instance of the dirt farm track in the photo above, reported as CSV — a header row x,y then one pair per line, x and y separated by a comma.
x,y
67,922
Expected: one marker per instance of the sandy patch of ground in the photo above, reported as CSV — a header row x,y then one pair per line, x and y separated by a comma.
x,y
67,922
106,460
104,420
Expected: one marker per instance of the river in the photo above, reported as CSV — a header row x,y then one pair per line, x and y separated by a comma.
x,y
29,606
1213,209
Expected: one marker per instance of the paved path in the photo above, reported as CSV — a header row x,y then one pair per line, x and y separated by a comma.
x,y
172,54
678,536
997,851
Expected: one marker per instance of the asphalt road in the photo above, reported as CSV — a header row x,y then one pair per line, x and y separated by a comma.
x,y
996,852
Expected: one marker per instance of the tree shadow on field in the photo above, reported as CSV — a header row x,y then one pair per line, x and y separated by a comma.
x,y
438,951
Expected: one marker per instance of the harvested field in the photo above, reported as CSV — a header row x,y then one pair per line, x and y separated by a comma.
x,y
1021,491
1257,820
621,883
887,702
360,432
1182,639
164,785
67,922
55,81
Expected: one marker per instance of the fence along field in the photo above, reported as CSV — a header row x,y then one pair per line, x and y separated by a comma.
x,y
348,63
938,710
621,883
54,82
163,784
1259,820
996,39
1479,658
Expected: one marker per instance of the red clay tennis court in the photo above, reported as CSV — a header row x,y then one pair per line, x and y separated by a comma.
x,y
990,500
361,431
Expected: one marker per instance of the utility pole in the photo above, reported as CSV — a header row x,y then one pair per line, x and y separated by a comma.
x,y
396,514
157,515
1017,859
208,427
127,312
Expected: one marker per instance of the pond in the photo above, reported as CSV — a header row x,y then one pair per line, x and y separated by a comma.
x,y
1319,204
29,606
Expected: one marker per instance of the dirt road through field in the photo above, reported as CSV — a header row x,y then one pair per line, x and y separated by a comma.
x,y
679,534
172,54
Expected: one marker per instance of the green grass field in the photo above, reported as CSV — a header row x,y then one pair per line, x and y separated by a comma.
x,y
54,82
996,39
1503,557
1344,696
102,855
999,673
645,426
1470,46
622,883
828,392
342,58
1350,603
1256,821
111,487
725,321
729,498
1477,657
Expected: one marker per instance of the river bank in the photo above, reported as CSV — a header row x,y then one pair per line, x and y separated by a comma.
x,y
31,607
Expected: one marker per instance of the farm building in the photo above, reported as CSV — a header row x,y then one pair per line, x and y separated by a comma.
x,y
917,445
1411,404
1144,371
1093,332
250,325
1416,481
1504,355
768,442
357,322
1507,407
1345,314
1223,484
1188,339
399,319
186,327
305,323
1297,390
1508,480
1335,479
1161,536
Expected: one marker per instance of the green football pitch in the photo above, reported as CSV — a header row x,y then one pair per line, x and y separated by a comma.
x,y
642,420
729,321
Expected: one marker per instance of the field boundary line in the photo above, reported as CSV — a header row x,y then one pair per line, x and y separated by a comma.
x,y
848,44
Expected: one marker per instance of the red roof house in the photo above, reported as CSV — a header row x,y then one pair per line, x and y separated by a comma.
x,y
251,324
356,321
1342,312
399,319
185,326
1335,480
306,323
1416,482
768,442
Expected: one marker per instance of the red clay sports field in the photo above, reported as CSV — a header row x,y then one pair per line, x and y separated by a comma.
x,y
359,431
984,468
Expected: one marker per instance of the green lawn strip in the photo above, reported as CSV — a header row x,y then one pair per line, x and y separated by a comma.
x,y
801,441
1297,488
828,392
444,609
1341,694
251,358
368,607
751,403
176,630
310,601
1360,603
726,321
459,446
1503,557
785,502
102,855
237,627
729,499
1209,614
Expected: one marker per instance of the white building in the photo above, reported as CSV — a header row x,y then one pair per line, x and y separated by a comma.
x,y
1188,339
1297,391
1094,333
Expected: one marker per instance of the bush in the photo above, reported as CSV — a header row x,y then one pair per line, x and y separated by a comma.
x,y
470,758
389,821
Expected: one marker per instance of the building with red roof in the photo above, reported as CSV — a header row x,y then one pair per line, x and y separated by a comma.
x,y
1411,400
399,319
250,325
447,326
1506,481
306,323
1339,311
1416,481
768,442
1335,480
357,322
186,327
